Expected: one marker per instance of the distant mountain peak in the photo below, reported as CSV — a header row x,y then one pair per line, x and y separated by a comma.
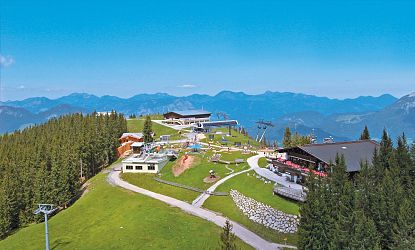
x,y
229,94
83,95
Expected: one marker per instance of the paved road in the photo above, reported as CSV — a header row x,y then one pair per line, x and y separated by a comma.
x,y
241,232
273,176
176,127
198,202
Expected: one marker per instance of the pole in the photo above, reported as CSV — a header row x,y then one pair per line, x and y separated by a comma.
x,y
46,231
81,170
263,134
45,209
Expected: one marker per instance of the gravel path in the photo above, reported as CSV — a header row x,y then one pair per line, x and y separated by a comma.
x,y
276,178
241,232
198,202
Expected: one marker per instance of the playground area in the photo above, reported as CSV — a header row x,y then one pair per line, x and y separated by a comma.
x,y
183,163
217,158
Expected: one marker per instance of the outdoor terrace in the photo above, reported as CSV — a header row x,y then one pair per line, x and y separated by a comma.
x,y
297,168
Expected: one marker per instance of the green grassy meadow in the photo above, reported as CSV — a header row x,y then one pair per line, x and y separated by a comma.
x,y
137,125
256,189
235,137
262,162
146,181
194,176
108,217
247,185
191,177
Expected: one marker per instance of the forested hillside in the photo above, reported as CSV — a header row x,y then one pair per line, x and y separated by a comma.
x,y
43,164
373,210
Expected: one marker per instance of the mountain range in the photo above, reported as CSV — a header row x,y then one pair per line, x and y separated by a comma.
x,y
397,118
342,119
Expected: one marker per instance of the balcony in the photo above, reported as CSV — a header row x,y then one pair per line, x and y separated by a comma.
x,y
296,168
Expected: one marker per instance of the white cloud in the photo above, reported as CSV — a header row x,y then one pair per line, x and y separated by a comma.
x,y
187,86
6,61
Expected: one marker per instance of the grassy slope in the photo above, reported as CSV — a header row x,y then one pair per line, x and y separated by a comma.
x,y
249,186
195,175
235,137
137,125
146,181
256,189
191,177
95,221
262,162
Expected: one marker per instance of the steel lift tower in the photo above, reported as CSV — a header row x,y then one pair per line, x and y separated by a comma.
x,y
263,125
224,117
45,209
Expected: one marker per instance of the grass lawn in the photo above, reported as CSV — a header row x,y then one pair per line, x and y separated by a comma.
x,y
256,189
194,176
191,177
235,137
262,162
137,125
231,156
146,181
109,217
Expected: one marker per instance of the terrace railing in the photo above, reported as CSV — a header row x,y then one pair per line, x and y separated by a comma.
x,y
290,193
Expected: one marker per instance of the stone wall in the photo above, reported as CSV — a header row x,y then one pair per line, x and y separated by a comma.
x,y
264,214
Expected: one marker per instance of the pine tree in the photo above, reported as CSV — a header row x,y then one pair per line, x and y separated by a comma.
x,y
365,134
299,140
316,223
364,234
366,184
40,164
147,131
373,210
343,196
385,150
386,209
227,238
403,162
412,171
286,142
404,230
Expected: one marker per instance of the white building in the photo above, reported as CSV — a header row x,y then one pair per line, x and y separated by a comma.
x,y
144,163
186,117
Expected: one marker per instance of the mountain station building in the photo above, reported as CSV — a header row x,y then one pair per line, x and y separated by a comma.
x,y
186,117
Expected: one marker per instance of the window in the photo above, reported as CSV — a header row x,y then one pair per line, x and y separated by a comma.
x,y
129,167
151,167
138,167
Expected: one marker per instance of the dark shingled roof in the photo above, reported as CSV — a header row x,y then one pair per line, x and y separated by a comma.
x,y
354,152
191,112
219,123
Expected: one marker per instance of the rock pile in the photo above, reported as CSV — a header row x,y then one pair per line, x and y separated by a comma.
x,y
264,214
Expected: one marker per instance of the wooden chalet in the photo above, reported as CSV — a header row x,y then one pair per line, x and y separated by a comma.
x,y
300,161
128,139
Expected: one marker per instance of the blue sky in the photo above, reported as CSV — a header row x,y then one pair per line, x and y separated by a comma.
x,y
337,49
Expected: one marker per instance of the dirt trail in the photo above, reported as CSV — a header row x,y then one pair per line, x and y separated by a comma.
x,y
185,162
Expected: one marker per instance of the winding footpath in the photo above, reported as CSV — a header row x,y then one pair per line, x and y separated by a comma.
x,y
241,232
198,202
